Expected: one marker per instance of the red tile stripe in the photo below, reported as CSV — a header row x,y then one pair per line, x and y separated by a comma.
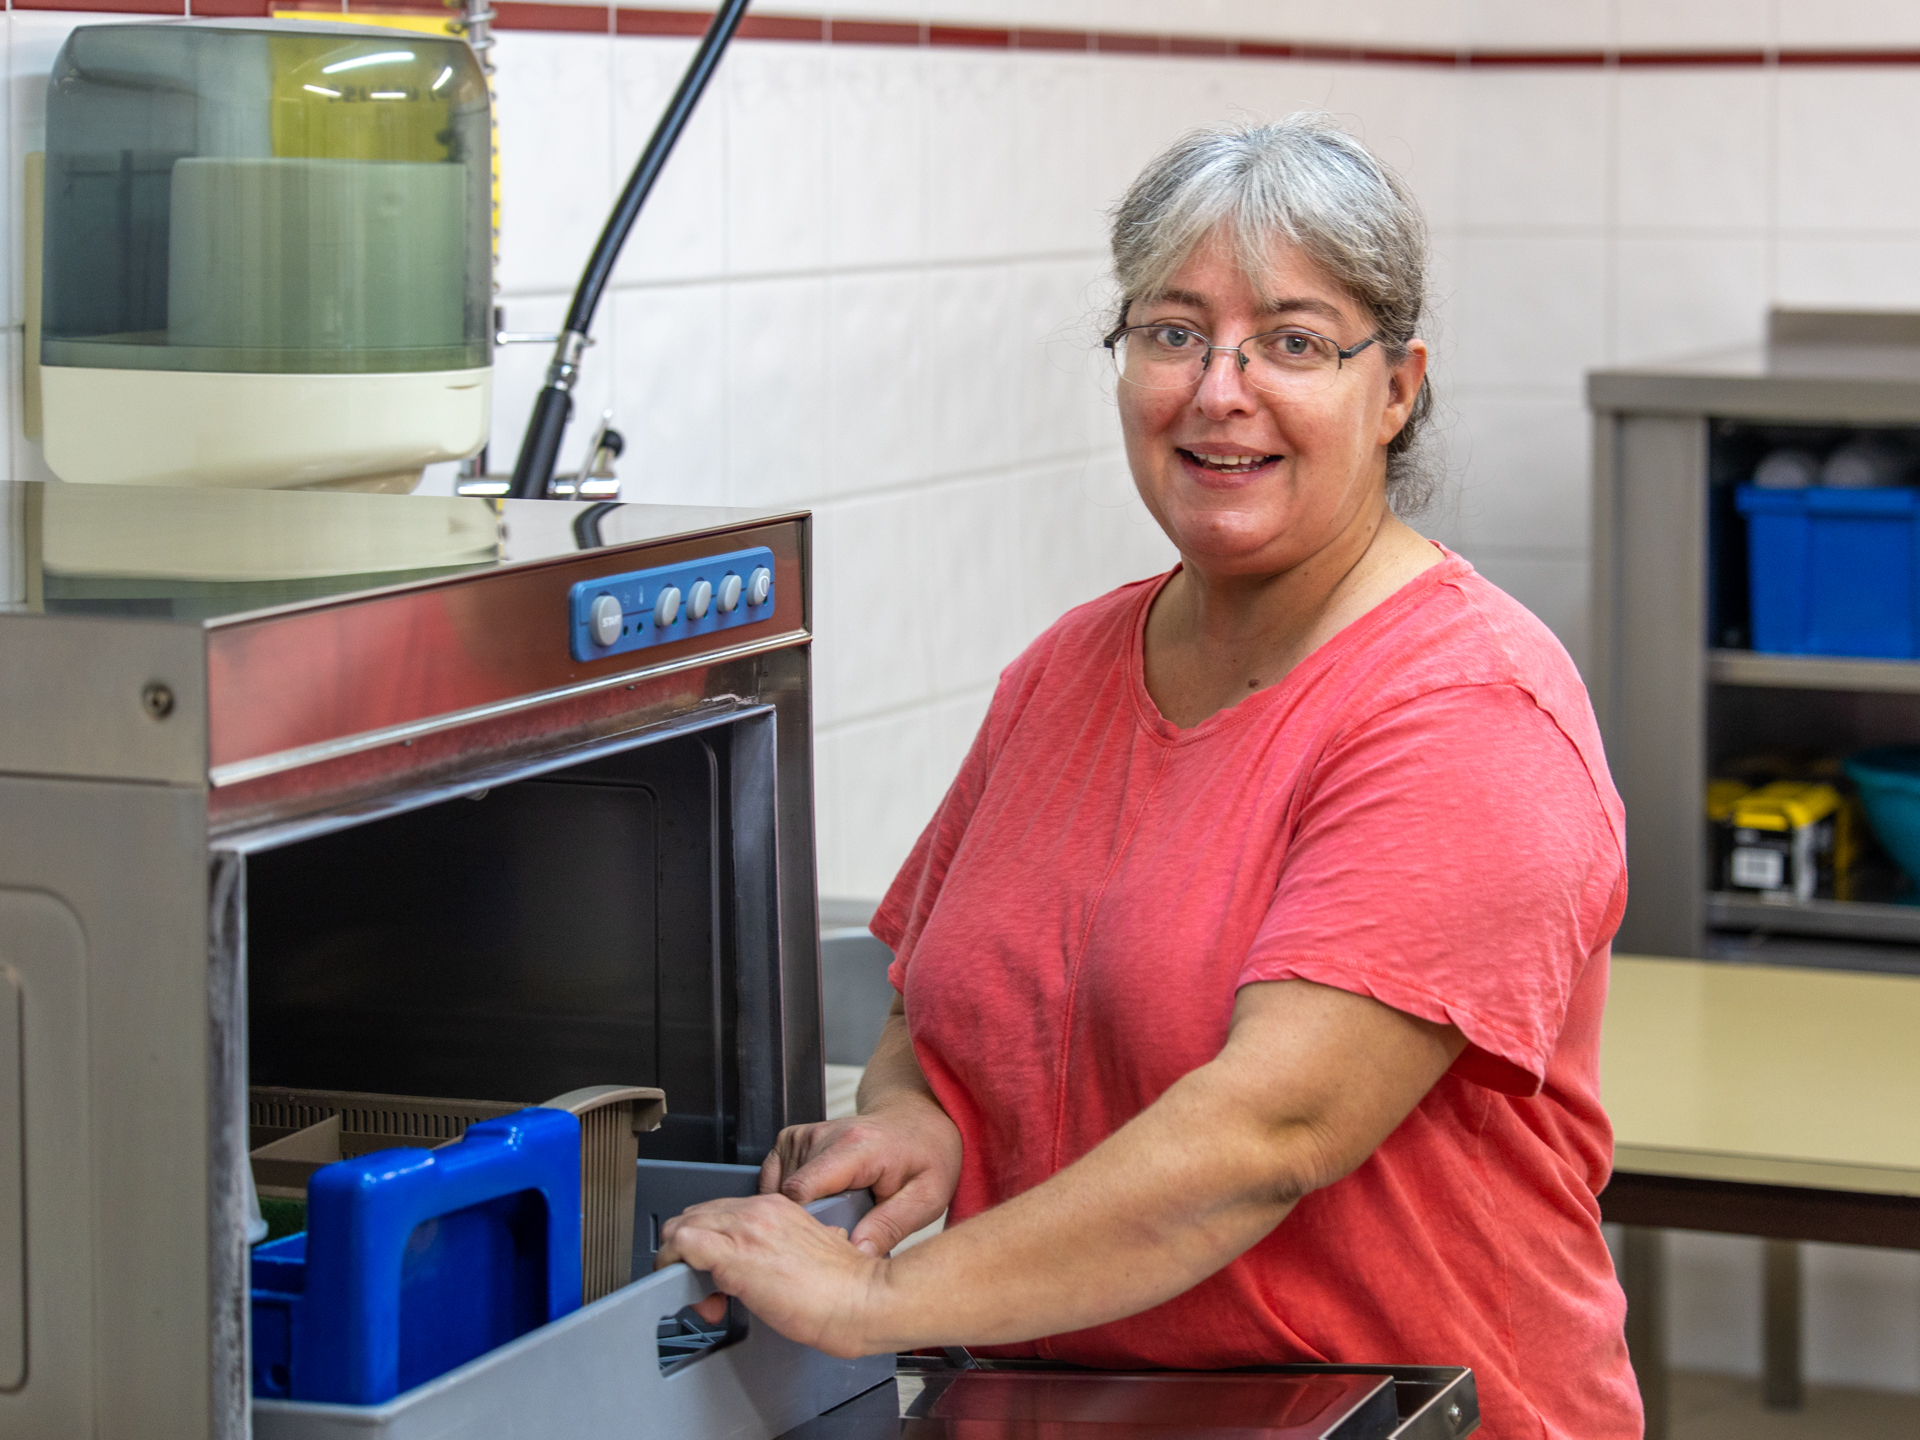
x,y
627,20
523,15
110,7
1850,57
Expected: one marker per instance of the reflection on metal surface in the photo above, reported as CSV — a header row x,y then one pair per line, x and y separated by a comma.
x,y
989,1405
151,542
139,532
241,771
1039,1400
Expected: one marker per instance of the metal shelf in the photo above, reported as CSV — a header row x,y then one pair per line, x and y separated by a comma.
x,y
1836,919
1810,952
1812,672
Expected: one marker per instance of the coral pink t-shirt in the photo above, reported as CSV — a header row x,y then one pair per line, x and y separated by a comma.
x,y
1421,813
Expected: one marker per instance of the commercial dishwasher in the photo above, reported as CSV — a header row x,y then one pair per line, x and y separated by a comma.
x,y
393,794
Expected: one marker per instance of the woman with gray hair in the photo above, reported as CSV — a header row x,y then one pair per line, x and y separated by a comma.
x,y
1251,971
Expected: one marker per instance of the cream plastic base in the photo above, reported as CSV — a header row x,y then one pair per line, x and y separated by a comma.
x,y
262,432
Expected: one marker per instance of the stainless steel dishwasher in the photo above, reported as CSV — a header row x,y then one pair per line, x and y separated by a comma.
x,y
372,793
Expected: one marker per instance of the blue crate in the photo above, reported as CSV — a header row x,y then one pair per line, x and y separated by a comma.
x,y
1833,572
416,1261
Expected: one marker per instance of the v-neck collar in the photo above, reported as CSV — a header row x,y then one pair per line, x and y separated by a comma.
x,y
1451,567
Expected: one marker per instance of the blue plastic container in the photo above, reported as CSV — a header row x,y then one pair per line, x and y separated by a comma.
x,y
417,1261
1889,782
1833,572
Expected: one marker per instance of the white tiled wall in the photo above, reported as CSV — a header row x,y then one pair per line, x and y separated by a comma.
x,y
870,282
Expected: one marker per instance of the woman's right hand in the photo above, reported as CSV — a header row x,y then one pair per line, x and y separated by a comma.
x,y
905,1150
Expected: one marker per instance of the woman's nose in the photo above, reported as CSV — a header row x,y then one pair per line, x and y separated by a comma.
x,y
1223,385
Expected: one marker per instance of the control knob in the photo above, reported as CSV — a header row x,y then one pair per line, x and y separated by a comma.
x,y
699,597
729,597
759,585
604,620
666,609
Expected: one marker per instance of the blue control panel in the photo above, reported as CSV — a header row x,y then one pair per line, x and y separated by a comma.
x,y
627,612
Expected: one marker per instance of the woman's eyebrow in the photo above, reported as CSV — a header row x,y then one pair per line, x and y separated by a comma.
x,y
1291,305
1304,304
1179,297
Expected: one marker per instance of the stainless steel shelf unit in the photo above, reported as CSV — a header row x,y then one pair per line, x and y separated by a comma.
x,y
1675,688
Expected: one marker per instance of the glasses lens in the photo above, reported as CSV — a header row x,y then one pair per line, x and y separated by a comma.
x,y
1160,357
1291,362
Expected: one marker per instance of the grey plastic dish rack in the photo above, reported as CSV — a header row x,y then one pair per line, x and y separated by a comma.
x,y
608,1371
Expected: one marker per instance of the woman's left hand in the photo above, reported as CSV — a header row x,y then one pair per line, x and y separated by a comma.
x,y
803,1278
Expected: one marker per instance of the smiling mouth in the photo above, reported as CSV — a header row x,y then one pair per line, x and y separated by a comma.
x,y
1229,464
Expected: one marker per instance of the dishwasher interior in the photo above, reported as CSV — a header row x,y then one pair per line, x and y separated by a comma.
x,y
523,939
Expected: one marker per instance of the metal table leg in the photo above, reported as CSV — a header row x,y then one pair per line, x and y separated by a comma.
x,y
1643,1274
1781,1377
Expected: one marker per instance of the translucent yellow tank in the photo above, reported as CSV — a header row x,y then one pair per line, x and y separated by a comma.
x,y
267,255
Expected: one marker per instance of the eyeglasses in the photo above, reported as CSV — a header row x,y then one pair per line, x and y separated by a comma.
x,y
1281,362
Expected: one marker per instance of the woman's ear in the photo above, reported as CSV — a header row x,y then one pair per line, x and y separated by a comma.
x,y
1403,388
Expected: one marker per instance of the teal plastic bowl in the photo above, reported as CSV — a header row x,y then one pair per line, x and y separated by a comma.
x,y
1889,782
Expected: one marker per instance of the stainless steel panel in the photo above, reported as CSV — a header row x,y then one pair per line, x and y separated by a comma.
x,y
457,754
1603,580
123,1180
754,893
13,1188
784,680
229,1385
1654,714
367,668
47,1294
1812,672
1842,919
1856,385
71,694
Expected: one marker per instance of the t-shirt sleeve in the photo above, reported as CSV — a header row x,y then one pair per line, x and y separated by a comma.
x,y
1452,858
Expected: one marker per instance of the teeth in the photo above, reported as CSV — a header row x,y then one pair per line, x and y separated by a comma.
x,y
1231,462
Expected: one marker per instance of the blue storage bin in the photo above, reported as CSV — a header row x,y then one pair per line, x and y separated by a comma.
x,y
1832,572
417,1261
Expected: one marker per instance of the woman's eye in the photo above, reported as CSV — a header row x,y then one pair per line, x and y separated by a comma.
x,y
1172,337
1295,345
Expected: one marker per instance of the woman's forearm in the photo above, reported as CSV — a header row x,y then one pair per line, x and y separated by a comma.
x,y
1310,1081
893,1074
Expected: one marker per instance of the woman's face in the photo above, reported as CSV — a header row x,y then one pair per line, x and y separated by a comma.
x,y
1317,466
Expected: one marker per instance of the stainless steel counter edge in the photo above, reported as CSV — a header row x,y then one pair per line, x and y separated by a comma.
x,y
1778,398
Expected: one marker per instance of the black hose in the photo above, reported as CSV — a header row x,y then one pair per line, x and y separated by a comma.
x,y
540,447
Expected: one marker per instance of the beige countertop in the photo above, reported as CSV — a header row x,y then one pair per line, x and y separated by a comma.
x,y
1764,1074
